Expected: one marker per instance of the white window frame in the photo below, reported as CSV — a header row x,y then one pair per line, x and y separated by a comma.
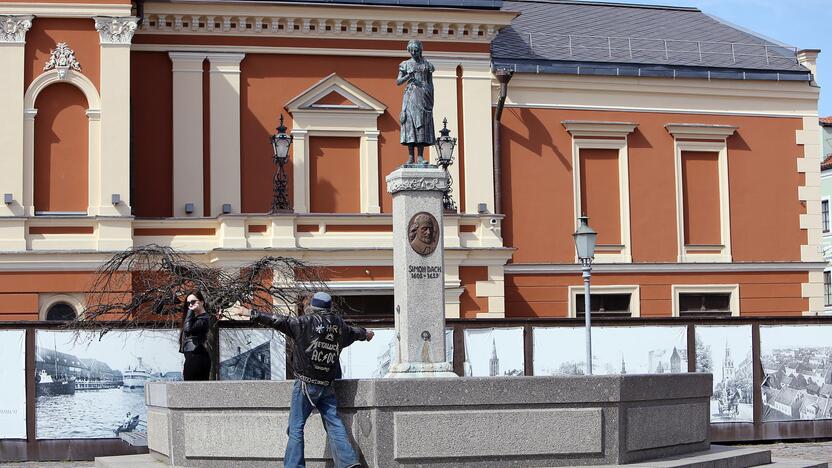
x,y
585,136
633,290
827,307
47,300
733,289
827,229
359,119
710,139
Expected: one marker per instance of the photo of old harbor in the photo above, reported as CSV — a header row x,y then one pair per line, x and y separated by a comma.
x,y
725,352
93,387
615,350
797,369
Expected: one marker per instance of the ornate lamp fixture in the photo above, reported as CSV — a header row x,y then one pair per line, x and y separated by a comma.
x,y
585,238
280,148
445,145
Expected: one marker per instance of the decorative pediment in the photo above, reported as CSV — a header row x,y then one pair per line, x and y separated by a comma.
x,y
334,93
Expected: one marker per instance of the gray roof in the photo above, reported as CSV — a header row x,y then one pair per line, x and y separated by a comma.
x,y
564,36
488,4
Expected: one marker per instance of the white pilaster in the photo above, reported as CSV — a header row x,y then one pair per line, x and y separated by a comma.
x,y
300,173
224,120
369,173
445,107
113,174
12,49
187,132
476,111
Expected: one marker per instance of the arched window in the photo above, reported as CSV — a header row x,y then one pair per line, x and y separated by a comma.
x,y
60,312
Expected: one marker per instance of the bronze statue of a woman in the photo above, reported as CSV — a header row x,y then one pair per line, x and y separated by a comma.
x,y
417,104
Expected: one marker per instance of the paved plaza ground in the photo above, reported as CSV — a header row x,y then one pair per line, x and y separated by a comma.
x,y
818,451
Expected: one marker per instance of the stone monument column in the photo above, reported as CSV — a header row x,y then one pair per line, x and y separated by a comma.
x,y
418,271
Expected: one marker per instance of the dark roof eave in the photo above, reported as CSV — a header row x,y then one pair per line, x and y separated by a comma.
x,y
645,70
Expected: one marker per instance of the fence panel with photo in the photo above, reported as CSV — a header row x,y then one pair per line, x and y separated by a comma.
x,y
13,388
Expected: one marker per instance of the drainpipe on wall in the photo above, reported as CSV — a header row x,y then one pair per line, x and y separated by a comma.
x,y
503,77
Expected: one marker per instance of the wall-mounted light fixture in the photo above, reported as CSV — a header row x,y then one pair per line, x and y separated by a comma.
x,y
189,208
226,208
8,198
116,197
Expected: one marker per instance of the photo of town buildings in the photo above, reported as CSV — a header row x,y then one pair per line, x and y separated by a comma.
x,y
797,364
91,386
725,352
372,359
615,350
252,354
493,352
13,389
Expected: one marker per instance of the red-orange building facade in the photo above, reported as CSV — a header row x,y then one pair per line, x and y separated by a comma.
x,y
700,176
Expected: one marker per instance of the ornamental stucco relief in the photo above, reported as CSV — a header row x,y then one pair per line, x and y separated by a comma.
x,y
14,27
62,59
116,30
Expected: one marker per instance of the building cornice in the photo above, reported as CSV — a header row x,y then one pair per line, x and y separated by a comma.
x,y
700,131
64,10
322,21
570,268
588,128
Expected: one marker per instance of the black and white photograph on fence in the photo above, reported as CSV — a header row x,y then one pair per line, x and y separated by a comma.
x,y
797,369
725,352
372,359
493,352
252,354
13,388
615,350
93,387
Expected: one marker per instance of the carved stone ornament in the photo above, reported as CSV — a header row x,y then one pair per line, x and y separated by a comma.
x,y
62,59
417,183
14,27
116,30
423,233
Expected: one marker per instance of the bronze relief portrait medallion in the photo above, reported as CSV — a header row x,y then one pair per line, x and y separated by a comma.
x,y
423,233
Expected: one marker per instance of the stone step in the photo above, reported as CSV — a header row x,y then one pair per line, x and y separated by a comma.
x,y
144,460
795,463
716,457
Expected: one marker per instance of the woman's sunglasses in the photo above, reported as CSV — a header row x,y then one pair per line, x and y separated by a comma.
x,y
193,302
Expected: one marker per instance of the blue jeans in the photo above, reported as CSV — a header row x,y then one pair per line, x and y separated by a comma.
x,y
324,399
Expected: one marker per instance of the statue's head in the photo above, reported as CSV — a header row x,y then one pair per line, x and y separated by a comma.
x,y
414,48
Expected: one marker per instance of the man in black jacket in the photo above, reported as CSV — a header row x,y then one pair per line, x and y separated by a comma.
x,y
318,338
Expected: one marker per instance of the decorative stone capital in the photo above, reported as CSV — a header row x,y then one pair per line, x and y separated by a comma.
x,y
116,30
417,178
62,59
14,27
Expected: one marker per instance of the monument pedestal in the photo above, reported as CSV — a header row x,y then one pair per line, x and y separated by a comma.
x,y
418,271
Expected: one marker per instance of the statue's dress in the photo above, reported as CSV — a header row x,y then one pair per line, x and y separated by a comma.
x,y
417,104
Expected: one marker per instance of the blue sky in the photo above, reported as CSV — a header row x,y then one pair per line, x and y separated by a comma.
x,y
805,24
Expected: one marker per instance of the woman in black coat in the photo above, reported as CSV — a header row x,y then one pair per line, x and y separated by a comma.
x,y
195,330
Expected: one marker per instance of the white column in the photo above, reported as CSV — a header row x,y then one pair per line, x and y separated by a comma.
x,y
12,48
445,106
300,170
187,132
369,173
224,126
113,175
476,105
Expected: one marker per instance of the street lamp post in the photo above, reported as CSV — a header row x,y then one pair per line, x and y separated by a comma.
x,y
445,148
280,148
585,246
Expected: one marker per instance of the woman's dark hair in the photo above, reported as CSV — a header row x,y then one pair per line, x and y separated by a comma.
x,y
199,296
